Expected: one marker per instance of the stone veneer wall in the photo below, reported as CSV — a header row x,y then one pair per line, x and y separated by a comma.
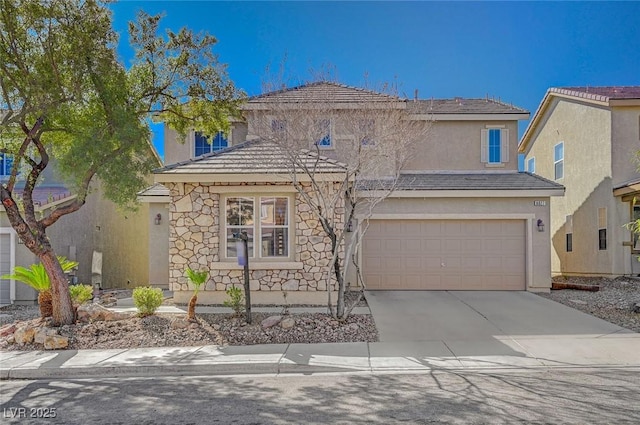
x,y
195,241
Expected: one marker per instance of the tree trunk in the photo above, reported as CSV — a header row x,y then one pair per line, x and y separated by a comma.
x,y
191,311
45,304
62,307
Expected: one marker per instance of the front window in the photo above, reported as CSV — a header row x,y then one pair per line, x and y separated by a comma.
x,y
569,233
558,160
322,133
205,145
531,165
271,228
6,163
636,236
367,131
495,144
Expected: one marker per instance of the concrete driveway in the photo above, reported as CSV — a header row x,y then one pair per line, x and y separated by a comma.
x,y
479,328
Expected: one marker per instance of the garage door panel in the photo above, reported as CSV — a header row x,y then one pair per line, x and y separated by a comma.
x,y
445,254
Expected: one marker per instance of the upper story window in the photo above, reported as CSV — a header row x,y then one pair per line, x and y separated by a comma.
x,y
203,146
322,133
266,221
558,160
279,128
531,165
6,163
367,131
495,146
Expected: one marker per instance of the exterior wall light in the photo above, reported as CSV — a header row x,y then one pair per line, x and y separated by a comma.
x,y
158,219
540,225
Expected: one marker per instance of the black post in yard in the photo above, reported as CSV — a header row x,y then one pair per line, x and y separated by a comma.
x,y
247,289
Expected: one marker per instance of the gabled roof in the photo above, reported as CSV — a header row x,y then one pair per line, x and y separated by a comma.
x,y
253,157
441,181
323,90
605,96
460,105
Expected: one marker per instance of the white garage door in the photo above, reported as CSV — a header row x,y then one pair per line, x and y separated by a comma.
x,y
445,255
5,268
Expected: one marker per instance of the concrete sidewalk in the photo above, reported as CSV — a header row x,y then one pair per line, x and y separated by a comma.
x,y
585,351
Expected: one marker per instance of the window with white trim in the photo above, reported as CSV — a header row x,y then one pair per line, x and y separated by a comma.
x,y
322,133
6,163
569,233
558,161
602,229
494,145
531,165
635,216
367,130
266,219
204,145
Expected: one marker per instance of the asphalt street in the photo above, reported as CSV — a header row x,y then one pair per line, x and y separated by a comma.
x,y
568,396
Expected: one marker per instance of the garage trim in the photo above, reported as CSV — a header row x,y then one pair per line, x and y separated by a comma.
x,y
12,259
529,218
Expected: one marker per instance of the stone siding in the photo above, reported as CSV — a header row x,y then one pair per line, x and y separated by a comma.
x,y
195,241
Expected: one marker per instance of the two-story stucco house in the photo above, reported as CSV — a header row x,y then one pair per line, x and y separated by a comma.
x,y
587,139
461,218
111,246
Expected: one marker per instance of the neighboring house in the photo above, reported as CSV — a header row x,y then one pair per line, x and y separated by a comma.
x,y
462,217
111,246
587,139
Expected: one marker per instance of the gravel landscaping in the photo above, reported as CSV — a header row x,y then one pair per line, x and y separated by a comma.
x,y
173,330
614,302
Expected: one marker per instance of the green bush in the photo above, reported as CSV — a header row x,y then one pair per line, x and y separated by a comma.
x,y
236,300
147,299
80,294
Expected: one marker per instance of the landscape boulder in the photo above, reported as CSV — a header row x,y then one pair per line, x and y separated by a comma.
x,y
271,321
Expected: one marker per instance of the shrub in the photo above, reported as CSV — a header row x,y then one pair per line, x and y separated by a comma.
x,y
147,299
80,294
236,300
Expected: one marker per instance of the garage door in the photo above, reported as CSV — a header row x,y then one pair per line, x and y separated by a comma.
x,y
445,255
5,268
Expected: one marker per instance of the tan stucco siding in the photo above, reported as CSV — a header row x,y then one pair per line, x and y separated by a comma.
x,y
122,237
456,145
625,138
158,245
538,250
586,132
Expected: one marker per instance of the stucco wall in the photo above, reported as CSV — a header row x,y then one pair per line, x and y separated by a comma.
x,y
456,145
586,132
485,208
195,241
625,136
158,245
176,151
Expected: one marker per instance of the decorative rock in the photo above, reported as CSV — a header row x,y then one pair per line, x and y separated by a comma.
x,y
180,324
56,342
287,323
270,321
291,285
7,329
353,327
24,335
578,302
204,220
636,308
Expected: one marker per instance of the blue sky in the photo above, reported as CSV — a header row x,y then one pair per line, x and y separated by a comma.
x,y
510,50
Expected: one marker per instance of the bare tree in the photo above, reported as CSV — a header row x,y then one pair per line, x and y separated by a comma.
x,y
369,133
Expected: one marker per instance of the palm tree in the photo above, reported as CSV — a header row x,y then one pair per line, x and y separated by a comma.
x,y
197,278
36,277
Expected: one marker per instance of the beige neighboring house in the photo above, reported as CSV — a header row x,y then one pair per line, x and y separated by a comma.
x,y
462,217
587,139
110,245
